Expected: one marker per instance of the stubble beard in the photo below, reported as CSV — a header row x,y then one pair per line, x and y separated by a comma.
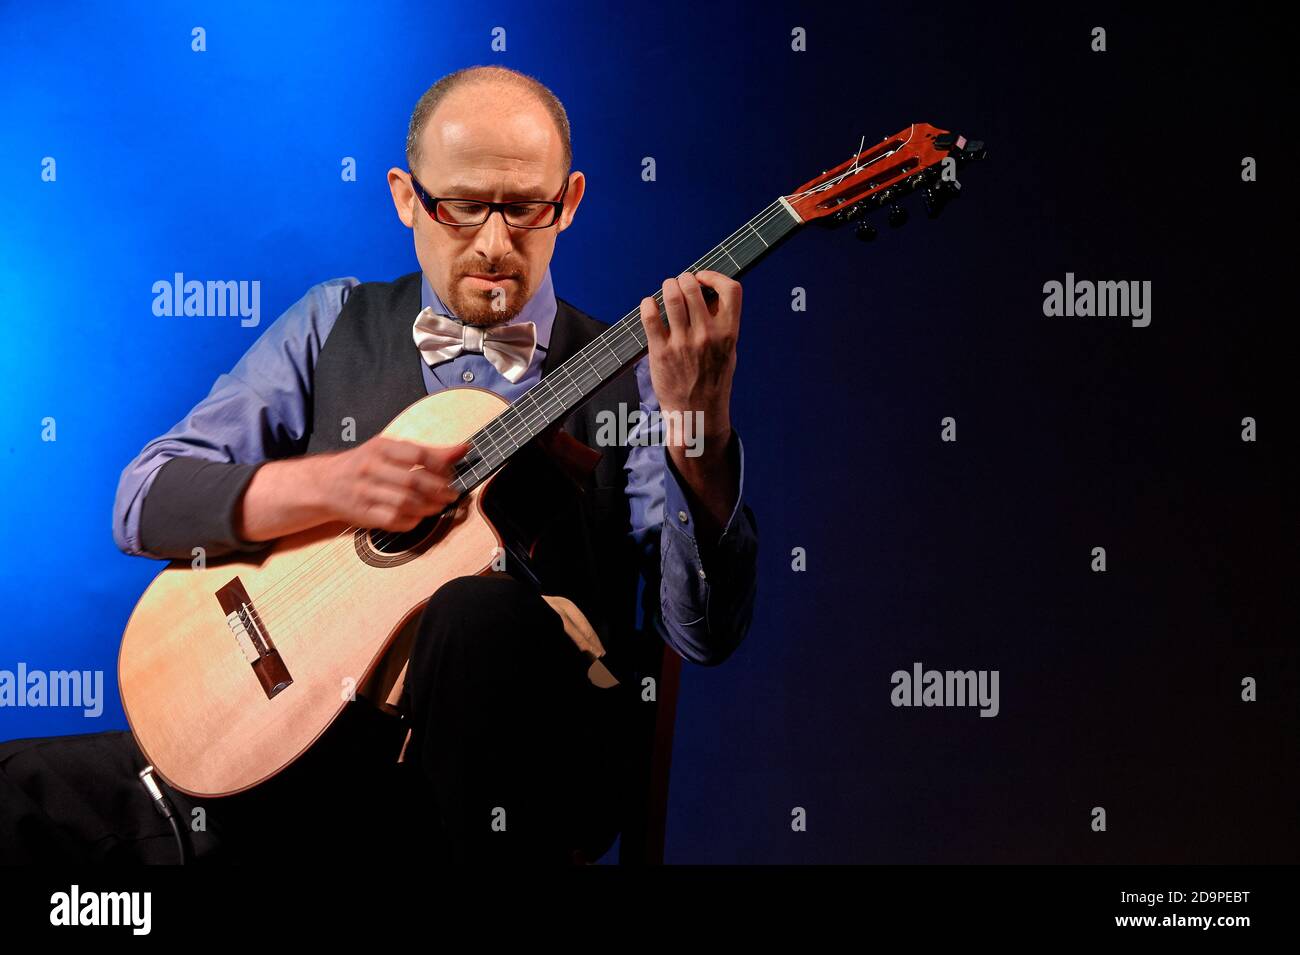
x,y
484,307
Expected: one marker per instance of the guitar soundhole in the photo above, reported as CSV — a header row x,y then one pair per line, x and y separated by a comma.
x,y
395,542
381,548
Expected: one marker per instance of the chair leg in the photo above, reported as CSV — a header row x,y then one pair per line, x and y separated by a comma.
x,y
647,811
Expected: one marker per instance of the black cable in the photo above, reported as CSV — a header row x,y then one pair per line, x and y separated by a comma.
x,y
180,842
164,807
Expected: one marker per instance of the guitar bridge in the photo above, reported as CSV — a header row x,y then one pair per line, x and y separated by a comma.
x,y
253,639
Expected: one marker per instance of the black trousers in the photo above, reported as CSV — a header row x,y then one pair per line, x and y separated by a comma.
x,y
515,757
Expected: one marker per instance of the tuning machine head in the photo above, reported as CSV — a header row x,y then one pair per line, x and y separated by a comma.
x,y
963,149
919,158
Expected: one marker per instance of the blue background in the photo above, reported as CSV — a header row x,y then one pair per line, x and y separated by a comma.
x,y
1119,689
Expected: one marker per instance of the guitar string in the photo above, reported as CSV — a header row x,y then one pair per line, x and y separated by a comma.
x,y
598,350
510,435
305,574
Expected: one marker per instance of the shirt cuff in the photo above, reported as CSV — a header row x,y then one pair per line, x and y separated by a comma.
x,y
706,593
192,503
677,508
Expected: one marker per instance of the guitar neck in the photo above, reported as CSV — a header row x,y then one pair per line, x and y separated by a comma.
x,y
608,355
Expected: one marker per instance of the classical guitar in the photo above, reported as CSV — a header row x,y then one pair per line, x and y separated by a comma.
x,y
231,671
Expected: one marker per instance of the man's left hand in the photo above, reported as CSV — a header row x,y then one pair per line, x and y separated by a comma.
x,y
693,358
692,361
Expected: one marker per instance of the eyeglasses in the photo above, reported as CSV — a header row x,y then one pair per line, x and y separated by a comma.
x,y
530,214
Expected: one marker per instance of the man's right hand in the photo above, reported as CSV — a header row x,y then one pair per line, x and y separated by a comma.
x,y
384,483
389,484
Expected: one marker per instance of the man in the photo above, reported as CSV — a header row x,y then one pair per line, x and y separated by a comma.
x,y
515,753
234,475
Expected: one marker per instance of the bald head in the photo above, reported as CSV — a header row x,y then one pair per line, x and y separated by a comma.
x,y
493,93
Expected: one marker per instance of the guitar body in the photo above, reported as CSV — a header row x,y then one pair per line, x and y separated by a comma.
x,y
220,701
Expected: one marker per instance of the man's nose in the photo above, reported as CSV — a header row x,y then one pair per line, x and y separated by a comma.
x,y
494,239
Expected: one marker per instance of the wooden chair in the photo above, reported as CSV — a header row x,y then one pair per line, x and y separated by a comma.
x,y
645,810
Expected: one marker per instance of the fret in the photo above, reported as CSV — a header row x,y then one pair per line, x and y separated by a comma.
x,y
592,365
729,255
609,345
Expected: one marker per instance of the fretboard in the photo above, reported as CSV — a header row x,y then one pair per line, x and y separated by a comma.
x,y
606,356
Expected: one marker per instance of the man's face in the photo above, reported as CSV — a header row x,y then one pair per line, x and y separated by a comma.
x,y
488,143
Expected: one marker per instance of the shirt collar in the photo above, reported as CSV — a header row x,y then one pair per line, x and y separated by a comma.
x,y
540,309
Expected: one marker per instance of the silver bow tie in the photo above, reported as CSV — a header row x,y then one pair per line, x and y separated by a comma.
x,y
508,347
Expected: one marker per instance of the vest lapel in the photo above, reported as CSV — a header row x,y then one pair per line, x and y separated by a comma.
x,y
408,307
567,337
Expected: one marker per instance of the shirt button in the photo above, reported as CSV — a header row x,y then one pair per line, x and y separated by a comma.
x,y
683,516
701,573
467,375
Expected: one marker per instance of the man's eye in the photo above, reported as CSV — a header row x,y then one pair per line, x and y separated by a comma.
x,y
464,208
525,211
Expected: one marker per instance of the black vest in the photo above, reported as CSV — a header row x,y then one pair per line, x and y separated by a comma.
x,y
370,370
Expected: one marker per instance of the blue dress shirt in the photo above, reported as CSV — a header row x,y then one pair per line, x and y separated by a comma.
x,y
259,411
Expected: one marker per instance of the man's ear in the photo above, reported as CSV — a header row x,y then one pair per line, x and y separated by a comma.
x,y
572,199
399,184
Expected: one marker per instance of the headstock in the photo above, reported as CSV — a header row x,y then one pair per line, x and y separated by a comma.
x,y
906,162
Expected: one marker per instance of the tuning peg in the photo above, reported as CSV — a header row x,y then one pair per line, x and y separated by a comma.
x,y
846,214
865,231
897,215
933,201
